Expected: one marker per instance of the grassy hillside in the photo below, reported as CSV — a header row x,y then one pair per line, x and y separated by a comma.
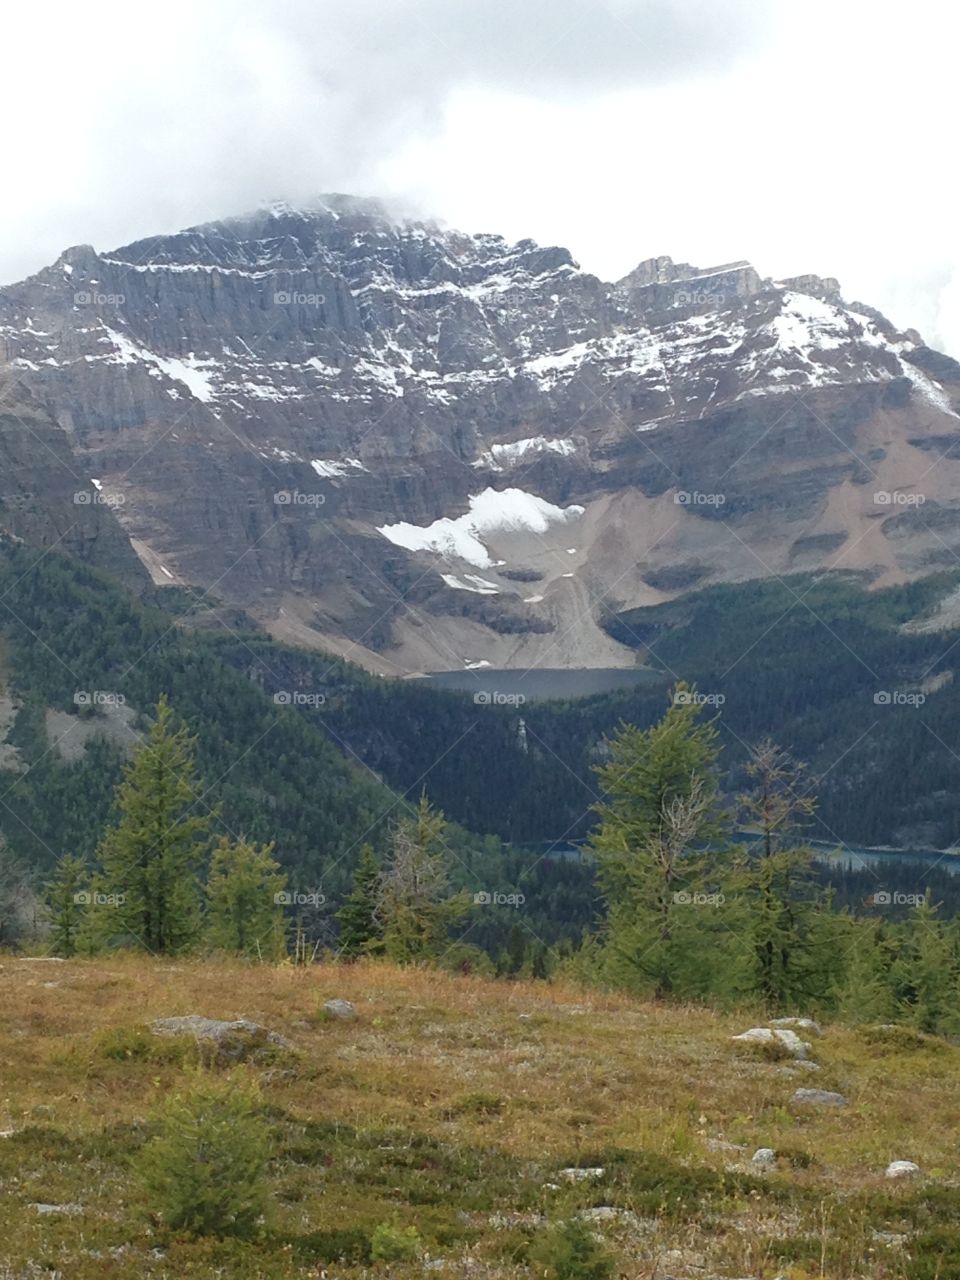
x,y
452,1104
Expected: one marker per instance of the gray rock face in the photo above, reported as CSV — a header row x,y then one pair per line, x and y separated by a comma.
x,y
46,496
233,1041
261,398
819,1098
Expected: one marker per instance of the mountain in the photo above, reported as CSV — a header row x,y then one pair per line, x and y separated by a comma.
x,y
431,450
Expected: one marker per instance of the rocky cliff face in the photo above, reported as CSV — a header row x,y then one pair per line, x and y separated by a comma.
x,y
46,498
429,449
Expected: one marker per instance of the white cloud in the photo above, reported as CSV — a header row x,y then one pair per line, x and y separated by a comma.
x,y
812,137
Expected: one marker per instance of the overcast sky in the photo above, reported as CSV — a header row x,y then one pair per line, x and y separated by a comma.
x,y
805,135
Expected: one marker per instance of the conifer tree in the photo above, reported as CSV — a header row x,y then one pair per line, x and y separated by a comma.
x,y
245,894
925,972
776,880
361,932
204,1171
864,989
659,805
417,906
66,898
147,892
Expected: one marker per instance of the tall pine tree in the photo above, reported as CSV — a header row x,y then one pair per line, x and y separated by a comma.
x,y
147,893
66,900
245,893
417,905
361,932
659,790
779,897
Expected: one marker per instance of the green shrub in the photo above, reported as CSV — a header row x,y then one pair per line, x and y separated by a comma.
x,y
481,1105
796,1157
123,1044
346,1245
203,1172
894,1038
569,1251
391,1243
935,1255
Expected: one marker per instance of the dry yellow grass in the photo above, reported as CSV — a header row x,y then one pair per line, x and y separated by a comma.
x,y
525,1078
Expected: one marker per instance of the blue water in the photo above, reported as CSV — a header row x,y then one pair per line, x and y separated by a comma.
x,y
849,856
544,682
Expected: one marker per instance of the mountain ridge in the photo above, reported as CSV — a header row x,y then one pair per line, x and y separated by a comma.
x,y
264,399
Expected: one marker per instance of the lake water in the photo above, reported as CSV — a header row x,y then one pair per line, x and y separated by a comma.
x,y
854,857
540,683
848,856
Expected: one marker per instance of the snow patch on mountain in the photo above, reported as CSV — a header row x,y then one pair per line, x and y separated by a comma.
x,y
191,372
331,470
480,586
931,391
493,511
499,456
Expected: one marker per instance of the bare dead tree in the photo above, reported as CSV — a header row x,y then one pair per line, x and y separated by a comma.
x,y
781,795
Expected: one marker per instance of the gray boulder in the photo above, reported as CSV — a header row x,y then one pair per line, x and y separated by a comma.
x,y
799,1024
764,1158
779,1036
230,1042
902,1169
340,1009
581,1175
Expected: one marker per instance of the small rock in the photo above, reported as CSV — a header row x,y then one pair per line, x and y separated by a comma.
x,y
894,1239
581,1175
801,1024
278,1075
611,1213
340,1009
798,1066
820,1097
59,1208
902,1169
718,1144
764,1158
788,1039
502,1221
